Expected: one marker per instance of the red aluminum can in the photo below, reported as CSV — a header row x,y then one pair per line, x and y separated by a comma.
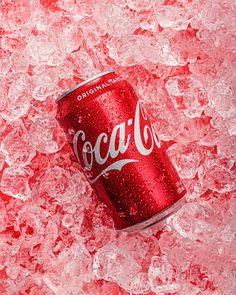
x,y
119,151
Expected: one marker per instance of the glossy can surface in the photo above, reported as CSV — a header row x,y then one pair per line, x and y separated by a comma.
x,y
120,153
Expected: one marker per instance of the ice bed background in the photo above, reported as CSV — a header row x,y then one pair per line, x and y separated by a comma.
x,y
55,235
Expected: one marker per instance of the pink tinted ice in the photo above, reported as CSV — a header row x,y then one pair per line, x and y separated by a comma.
x,y
56,237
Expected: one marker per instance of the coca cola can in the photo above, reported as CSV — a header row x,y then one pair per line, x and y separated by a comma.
x,y
119,151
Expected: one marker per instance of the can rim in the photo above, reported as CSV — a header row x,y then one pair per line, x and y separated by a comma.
x,y
82,84
157,218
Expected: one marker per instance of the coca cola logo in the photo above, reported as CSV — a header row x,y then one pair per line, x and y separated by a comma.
x,y
145,139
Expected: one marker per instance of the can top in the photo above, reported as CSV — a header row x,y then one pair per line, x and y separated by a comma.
x,y
82,84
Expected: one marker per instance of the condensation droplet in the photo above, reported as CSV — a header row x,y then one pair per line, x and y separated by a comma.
x,y
71,131
122,214
133,210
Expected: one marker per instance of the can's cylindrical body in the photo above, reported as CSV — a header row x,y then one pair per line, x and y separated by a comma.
x,y
120,153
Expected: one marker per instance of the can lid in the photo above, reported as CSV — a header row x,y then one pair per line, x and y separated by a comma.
x,y
83,83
